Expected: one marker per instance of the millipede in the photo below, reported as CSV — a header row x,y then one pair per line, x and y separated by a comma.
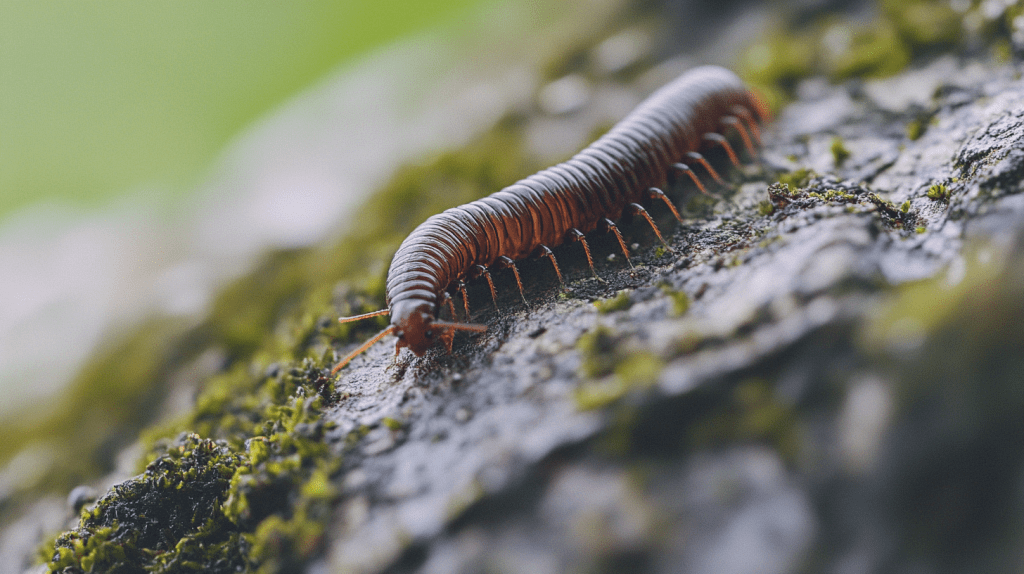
x,y
609,179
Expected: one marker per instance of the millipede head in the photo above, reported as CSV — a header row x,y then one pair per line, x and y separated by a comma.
x,y
413,323
417,329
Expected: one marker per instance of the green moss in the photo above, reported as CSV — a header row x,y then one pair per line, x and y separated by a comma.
x,y
877,50
965,363
273,493
599,394
636,370
938,192
834,196
680,300
839,196
925,23
839,152
905,206
639,369
775,63
915,129
611,369
618,439
765,207
896,218
796,179
920,229
161,517
258,450
289,456
620,302
950,355
920,308
393,424
842,47
598,348
752,414
1002,51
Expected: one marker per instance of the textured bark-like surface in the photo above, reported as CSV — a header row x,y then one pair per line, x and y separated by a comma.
x,y
842,390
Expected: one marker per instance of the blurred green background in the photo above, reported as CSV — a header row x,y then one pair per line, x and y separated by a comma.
x,y
100,98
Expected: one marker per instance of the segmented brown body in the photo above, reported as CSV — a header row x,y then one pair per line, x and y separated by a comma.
x,y
546,209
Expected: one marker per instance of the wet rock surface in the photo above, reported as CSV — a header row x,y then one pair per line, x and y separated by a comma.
x,y
772,425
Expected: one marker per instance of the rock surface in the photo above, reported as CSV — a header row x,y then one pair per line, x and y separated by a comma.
x,y
784,421
823,373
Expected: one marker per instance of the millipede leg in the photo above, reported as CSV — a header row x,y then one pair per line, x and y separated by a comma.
x,y
465,298
638,209
577,235
446,300
744,114
735,122
446,331
609,225
686,169
720,140
504,262
704,162
479,270
655,193
447,337
545,252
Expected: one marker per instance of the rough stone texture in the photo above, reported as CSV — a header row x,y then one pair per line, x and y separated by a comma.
x,y
824,377
778,436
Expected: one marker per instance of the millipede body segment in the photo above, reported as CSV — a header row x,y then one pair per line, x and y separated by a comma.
x,y
610,178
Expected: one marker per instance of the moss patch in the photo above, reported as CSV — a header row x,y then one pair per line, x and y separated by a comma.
x,y
843,46
171,515
938,192
620,302
250,457
752,414
877,50
680,300
797,178
633,371
820,191
839,151
612,368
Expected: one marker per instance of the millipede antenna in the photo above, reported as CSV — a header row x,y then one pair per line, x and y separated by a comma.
x,y
364,316
365,345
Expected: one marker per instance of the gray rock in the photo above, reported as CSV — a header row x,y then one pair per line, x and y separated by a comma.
x,y
777,433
